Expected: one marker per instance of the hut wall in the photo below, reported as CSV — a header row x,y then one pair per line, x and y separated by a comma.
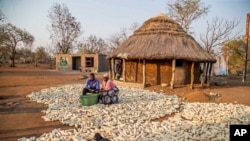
x,y
133,71
160,71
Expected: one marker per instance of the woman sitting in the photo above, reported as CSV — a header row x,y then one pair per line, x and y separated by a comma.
x,y
109,91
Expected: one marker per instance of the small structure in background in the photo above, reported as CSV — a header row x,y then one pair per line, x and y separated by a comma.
x,y
160,52
82,62
220,68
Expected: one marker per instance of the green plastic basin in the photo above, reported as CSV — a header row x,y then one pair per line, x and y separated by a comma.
x,y
89,99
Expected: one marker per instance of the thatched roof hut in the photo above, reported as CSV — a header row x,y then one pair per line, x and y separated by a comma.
x,y
162,42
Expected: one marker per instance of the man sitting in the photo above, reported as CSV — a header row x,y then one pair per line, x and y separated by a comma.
x,y
92,85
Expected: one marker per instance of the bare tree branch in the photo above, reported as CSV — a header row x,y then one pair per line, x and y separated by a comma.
x,y
93,45
117,38
218,32
64,28
186,11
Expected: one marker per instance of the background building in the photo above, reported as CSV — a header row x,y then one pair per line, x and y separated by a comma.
x,y
87,62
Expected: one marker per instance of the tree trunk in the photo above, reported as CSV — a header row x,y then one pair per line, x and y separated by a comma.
x,y
173,73
13,59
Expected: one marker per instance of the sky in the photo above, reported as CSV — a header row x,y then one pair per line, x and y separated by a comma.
x,y
106,17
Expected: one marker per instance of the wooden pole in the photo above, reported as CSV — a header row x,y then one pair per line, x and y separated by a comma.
x,y
136,71
207,69
112,69
209,74
144,74
173,73
192,75
202,77
246,48
124,70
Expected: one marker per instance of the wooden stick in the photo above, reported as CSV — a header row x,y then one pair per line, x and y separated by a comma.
x,y
173,73
192,75
207,69
209,74
144,73
124,70
112,69
136,71
202,77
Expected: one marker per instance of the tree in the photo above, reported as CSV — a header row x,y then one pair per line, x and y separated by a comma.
x,y
64,28
235,50
218,32
2,20
26,53
4,52
186,11
14,37
117,38
2,16
41,55
93,45
4,55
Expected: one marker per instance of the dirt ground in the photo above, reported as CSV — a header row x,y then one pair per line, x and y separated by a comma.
x,y
21,117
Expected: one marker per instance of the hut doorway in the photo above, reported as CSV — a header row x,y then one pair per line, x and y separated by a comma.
x,y
118,69
76,63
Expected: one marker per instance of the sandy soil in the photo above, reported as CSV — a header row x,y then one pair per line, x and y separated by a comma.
x,y
21,117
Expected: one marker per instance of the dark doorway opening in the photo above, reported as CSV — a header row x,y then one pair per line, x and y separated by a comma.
x,y
179,63
76,63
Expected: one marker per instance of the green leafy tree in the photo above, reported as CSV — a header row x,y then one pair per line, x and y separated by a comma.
x,y
64,28
13,38
235,50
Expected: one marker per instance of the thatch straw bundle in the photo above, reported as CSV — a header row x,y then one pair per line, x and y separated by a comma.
x,y
161,38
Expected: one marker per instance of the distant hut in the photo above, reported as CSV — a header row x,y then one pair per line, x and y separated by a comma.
x,y
160,52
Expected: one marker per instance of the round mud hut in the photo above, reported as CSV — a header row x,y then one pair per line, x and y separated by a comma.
x,y
160,52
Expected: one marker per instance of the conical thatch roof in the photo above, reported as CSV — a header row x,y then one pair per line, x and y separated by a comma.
x,y
161,38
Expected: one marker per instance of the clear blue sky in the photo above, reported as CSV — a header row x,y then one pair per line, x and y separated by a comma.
x,y
104,17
